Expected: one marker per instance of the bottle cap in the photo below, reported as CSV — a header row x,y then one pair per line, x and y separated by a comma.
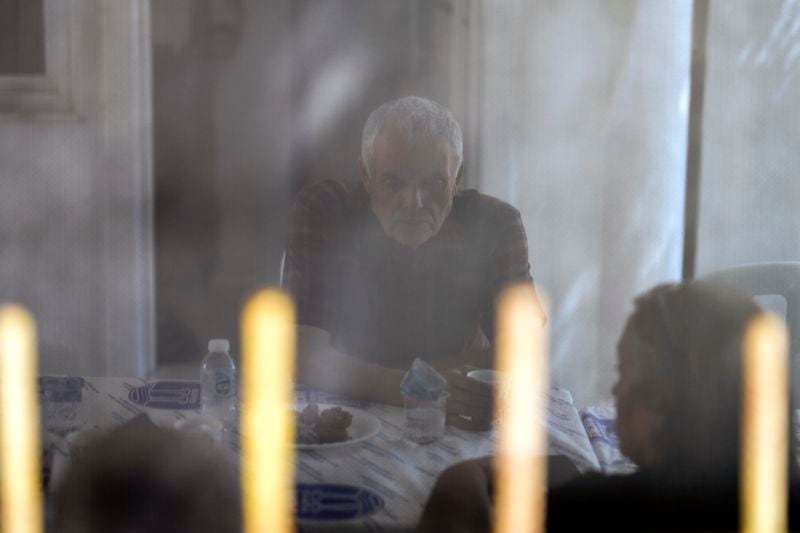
x,y
219,345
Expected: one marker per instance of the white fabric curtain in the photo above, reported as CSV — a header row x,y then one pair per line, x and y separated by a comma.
x,y
582,125
750,188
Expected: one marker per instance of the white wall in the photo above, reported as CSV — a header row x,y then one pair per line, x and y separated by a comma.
x,y
75,211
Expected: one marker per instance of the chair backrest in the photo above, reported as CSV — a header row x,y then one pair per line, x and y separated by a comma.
x,y
762,279
281,280
782,279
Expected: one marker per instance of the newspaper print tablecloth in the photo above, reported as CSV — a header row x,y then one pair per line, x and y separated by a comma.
x,y
386,479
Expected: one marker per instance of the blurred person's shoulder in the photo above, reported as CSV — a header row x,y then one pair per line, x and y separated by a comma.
x,y
640,501
794,505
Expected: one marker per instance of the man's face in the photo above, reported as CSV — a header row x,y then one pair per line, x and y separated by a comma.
x,y
411,186
637,422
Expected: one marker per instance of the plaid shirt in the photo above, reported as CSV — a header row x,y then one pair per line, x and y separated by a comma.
x,y
386,304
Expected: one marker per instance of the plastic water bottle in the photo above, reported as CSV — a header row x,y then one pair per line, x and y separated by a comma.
x,y
218,379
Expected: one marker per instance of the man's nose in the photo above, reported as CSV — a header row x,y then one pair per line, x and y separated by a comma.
x,y
414,197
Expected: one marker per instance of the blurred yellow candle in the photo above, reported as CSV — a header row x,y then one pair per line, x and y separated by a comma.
x,y
19,423
765,411
267,426
521,460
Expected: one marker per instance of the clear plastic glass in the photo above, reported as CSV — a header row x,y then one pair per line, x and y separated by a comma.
x,y
425,419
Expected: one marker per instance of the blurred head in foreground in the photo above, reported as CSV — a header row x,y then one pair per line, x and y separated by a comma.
x,y
678,394
140,478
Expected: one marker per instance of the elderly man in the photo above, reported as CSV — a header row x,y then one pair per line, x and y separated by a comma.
x,y
402,264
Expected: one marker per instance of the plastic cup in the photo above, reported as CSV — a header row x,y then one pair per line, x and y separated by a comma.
x,y
499,380
491,377
425,419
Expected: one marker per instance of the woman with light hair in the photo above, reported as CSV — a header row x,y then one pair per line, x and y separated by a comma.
x,y
140,478
678,399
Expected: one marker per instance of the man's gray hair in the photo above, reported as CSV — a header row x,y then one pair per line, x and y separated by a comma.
x,y
416,118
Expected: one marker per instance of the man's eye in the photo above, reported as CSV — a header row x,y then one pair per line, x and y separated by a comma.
x,y
436,185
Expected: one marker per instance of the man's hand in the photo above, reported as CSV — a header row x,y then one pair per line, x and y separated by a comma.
x,y
323,367
470,405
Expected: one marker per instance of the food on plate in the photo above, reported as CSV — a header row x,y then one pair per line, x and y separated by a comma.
x,y
310,414
335,418
323,427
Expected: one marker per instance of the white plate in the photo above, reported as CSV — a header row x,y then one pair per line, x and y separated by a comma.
x,y
363,426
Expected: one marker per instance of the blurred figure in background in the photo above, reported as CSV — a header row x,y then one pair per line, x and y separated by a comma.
x,y
402,264
143,479
678,417
186,151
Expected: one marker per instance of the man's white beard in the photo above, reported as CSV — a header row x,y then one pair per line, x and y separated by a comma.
x,y
412,237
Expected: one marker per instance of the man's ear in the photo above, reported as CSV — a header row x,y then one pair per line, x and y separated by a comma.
x,y
364,174
460,176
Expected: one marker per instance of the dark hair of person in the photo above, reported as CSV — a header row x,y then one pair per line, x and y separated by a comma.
x,y
691,369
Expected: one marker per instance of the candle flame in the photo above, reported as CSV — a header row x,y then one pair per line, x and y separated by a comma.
x,y
765,411
521,462
21,493
267,426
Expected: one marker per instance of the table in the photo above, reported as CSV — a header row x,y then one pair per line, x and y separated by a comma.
x,y
386,479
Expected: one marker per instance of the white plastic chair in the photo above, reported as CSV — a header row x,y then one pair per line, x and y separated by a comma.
x,y
768,279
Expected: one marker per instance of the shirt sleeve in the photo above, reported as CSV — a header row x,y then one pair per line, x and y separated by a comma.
x,y
508,264
308,258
